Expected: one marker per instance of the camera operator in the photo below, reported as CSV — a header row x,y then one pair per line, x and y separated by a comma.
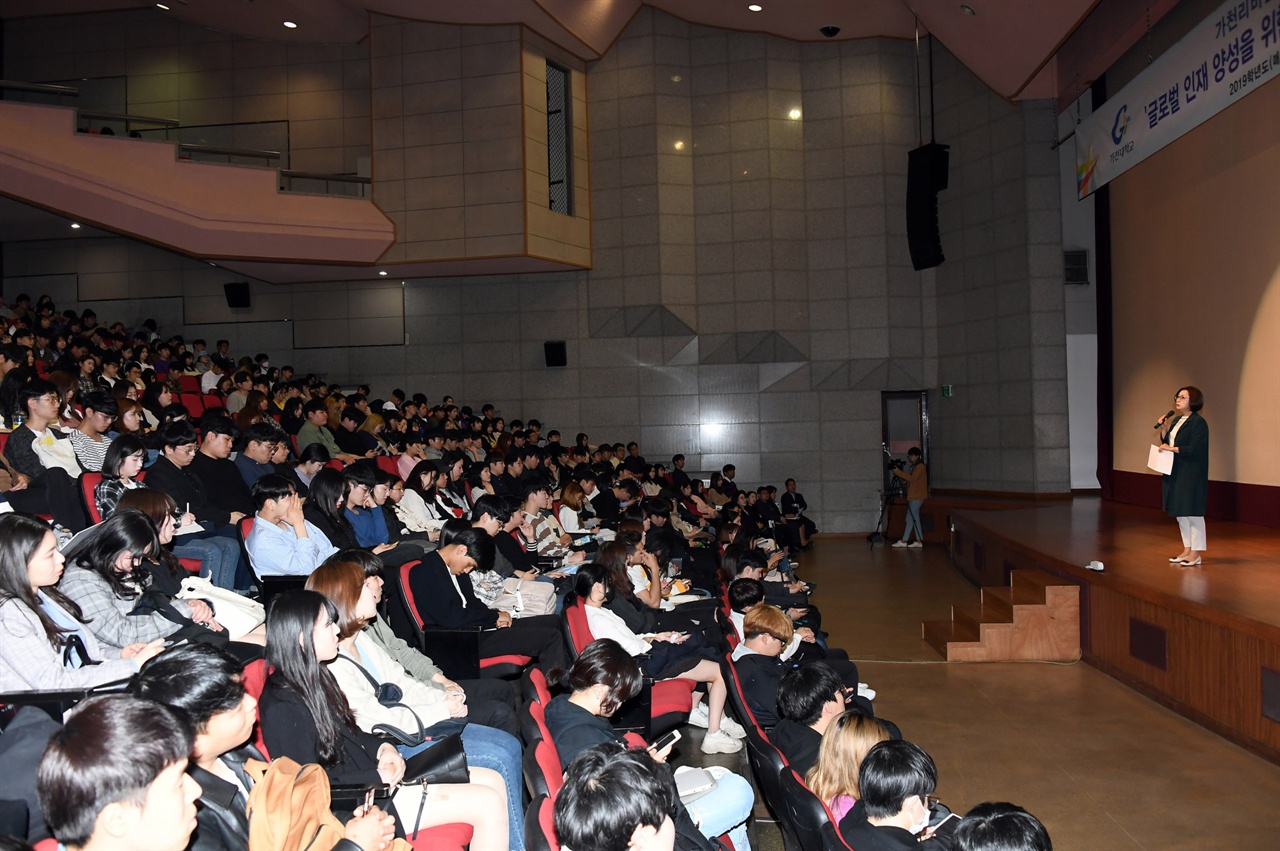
x,y
917,478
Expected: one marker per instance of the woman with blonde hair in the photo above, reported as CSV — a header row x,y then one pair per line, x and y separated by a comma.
x,y
834,777
373,425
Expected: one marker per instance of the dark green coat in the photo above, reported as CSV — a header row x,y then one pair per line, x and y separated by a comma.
x,y
1186,489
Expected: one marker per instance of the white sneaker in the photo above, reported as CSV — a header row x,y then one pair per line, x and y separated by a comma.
x,y
864,691
915,545
720,742
733,728
898,545
699,716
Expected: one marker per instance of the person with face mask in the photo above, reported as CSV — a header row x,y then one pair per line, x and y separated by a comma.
x,y
897,779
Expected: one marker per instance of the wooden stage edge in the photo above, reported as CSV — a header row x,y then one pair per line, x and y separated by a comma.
x,y
1203,641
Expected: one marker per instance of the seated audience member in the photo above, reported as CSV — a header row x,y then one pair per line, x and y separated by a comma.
x,y
124,460
616,800
805,646
218,367
896,779
791,596
664,657
793,513
349,437
540,533
316,430
45,641
305,716
255,460
766,632
115,777
489,702
809,697
48,489
418,509
218,556
365,497
445,598
834,778
603,678
282,542
125,596
310,461
362,668
223,483
90,440
1001,827
237,398
172,473
201,684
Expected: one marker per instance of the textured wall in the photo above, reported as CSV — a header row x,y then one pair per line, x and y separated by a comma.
x,y
200,77
752,293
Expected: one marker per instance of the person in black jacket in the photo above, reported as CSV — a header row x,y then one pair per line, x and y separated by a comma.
x,y
444,600
225,485
202,685
172,474
896,779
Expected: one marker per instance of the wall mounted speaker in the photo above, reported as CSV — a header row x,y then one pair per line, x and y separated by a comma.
x,y
927,174
237,294
554,353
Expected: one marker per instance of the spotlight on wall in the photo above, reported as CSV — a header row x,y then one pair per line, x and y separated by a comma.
x,y
755,7
794,114
290,25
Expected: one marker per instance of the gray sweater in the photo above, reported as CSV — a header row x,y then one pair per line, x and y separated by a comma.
x,y
29,661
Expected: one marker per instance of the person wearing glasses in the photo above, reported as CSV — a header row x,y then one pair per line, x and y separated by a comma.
x,y
36,487
1185,490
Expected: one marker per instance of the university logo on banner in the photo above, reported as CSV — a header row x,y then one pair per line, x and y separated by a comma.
x,y
1229,54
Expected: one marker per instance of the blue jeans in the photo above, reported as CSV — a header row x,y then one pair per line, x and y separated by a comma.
x,y
725,810
493,749
913,520
218,557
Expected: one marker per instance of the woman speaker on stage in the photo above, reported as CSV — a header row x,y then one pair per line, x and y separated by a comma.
x,y
1186,487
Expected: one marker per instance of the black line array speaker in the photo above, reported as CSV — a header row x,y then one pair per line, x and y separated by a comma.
x,y
927,168
237,294
554,353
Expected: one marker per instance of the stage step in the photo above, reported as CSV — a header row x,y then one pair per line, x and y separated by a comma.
x,y
1035,617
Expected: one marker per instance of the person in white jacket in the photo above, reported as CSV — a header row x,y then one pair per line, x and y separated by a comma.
x,y
362,666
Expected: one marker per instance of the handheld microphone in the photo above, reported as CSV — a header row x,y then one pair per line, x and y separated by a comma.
x,y
1162,420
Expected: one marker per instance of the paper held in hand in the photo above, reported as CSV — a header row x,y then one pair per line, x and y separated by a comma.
x,y
1160,460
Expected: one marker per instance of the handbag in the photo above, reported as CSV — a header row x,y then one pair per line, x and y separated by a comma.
x,y
238,614
390,695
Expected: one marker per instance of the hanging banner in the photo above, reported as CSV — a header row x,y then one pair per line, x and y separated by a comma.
x,y
1228,55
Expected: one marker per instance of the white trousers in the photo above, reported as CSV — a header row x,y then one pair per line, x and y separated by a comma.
x,y
1193,535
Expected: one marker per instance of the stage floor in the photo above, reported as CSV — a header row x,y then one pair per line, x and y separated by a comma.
x,y
1240,575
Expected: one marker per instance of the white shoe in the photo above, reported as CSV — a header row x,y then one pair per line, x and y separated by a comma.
x,y
699,716
915,545
864,691
733,728
720,742
900,545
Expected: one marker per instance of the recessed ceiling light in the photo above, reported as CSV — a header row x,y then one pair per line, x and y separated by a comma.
x,y
291,25
75,226
383,273
162,6
794,114
755,7
967,9
679,146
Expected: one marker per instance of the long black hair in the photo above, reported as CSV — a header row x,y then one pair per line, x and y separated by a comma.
x,y
414,482
97,550
291,651
20,536
328,488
